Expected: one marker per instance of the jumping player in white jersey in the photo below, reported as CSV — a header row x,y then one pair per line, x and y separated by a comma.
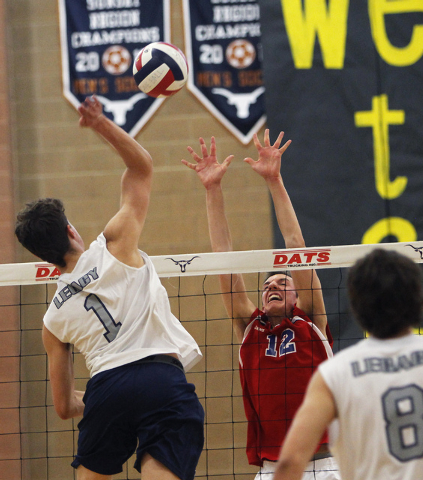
x,y
282,344
375,387
111,305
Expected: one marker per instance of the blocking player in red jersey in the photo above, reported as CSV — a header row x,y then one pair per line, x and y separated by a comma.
x,y
283,343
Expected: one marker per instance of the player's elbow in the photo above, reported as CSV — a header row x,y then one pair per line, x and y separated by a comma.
x,y
63,414
294,241
139,164
147,163
63,410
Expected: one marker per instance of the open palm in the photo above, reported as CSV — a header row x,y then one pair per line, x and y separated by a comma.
x,y
208,169
268,164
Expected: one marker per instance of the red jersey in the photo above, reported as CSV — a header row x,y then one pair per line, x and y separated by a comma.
x,y
275,366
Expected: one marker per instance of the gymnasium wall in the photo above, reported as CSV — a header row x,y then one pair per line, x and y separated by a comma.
x,y
54,157
9,337
47,154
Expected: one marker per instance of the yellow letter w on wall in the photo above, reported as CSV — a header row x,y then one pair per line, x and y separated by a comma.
x,y
328,23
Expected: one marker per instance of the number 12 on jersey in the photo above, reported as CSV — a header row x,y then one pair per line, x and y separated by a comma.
x,y
287,344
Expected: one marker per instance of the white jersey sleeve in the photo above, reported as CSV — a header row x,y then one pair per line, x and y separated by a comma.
x,y
377,386
115,314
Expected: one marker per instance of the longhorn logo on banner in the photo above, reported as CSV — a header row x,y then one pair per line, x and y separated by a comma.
x,y
223,46
99,42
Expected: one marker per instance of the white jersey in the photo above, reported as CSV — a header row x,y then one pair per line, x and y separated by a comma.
x,y
378,390
115,314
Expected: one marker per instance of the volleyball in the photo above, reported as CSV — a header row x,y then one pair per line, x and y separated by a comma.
x,y
160,69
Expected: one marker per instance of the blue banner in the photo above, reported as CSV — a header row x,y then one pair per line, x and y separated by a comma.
x,y
223,47
99,41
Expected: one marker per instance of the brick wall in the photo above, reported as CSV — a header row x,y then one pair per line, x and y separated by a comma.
x,y
55,157
52,156
10,452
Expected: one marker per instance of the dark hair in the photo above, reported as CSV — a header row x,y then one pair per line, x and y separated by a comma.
x,y
386,294
287,273
278,272
41,227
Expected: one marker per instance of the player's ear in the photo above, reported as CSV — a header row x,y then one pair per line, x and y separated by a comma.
x,y
70,230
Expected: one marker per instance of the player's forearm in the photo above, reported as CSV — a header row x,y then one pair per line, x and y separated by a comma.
x,y
132,153
220,235
287,471
285,214
69,405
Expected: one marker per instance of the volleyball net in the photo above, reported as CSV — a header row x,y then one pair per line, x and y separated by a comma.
x,y
36,444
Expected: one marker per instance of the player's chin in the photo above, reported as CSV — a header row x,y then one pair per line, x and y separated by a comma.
x,y
276,308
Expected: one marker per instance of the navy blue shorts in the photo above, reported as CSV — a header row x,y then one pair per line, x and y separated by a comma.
x,y
146,403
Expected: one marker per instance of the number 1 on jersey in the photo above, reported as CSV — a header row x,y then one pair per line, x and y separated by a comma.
x,y
92,302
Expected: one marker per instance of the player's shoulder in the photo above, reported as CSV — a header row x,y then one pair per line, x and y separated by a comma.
x,y
256,317
346,355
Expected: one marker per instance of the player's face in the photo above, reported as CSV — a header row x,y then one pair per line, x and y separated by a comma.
x,y
279,295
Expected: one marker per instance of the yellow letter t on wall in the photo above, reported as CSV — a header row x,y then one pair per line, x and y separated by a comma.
x,y
379,118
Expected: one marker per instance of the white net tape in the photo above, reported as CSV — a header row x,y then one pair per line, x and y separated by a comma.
x,y
228,262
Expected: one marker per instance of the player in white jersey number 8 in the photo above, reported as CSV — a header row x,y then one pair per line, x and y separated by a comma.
x,y
374,388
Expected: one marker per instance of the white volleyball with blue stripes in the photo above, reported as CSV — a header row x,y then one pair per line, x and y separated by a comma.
x,y
160,69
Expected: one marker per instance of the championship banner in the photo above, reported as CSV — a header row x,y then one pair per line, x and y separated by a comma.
x,y
344,80
223,47
99,42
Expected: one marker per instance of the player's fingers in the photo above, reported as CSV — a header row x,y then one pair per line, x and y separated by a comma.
x,y
203,147
256,141
249,160
279,140
228,160
189,165
193,154
266,138
213,147
82,111
285,146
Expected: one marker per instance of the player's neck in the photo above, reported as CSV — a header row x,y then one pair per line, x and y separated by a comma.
x,y
276,320
71,260
403,333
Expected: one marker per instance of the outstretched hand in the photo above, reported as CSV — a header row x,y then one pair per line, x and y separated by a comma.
x,y
90,110
208,169
268,164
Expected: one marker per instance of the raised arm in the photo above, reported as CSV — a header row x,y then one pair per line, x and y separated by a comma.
x,y
123,231
307,283
237,303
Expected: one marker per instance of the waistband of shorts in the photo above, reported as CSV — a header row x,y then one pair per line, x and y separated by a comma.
x,y
327,464
320,456
269,466
160,358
